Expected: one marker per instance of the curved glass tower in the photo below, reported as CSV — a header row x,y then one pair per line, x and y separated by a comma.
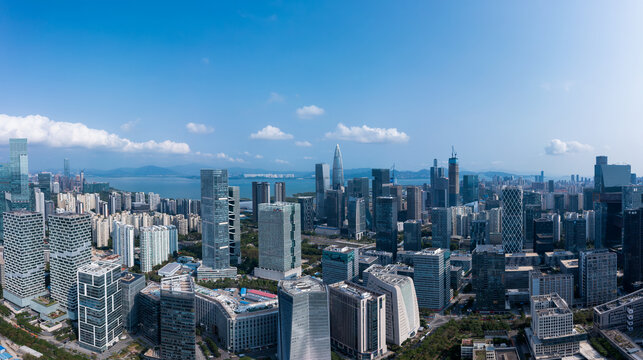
x,y
338,169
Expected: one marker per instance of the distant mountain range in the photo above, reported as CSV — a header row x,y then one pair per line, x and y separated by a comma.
x,y
192,170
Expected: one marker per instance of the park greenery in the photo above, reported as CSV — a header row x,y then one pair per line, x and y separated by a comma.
x,y
48,350
241,282
605,348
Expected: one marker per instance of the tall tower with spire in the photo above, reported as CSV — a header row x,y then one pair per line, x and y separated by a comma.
x,y
454,179
338,169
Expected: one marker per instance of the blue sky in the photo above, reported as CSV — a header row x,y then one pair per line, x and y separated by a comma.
x,y
518,86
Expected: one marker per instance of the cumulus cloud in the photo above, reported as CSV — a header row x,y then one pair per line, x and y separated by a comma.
x,y
275,98
560,147
196,128
271,133
303,143
367,134
42,130
280,161
309,112
129,125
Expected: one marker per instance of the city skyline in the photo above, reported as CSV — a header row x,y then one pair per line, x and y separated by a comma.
x,y
139,92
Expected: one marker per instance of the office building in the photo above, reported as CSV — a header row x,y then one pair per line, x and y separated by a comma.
x,y
100,312
402,312
624,313
575,234
338,169
386,224
131,286
335,212
512,219
479,233
381,177
279,241
412,235
70,242
552,334
307,213
123,242
304,323
339,264
322,183
488,277
24,273
633,249
234,224
178,318
454,180
215,225
359,188
280,191
414,203
469,188
260,195
357,320
432,276
19,167
356,217
441,227
149,313
242,319
44,184
543,235
541,283
597,276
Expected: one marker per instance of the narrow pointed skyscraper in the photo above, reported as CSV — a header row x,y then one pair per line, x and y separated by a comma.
x,y
338,169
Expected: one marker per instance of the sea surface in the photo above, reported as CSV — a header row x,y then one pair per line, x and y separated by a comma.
x,y
182,187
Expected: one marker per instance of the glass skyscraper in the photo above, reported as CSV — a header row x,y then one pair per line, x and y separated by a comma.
x,y
512,219
338,169
178,318
215,223
19,163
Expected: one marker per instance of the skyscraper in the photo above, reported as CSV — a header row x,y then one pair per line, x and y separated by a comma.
x,y
334,203
123,242
279,241
575,234
131,286
633,249
322,183
307,213
454,180
19,162
432,276
380,178
260,195
412,235
469,188
512,219
100,312
234,224
70,241
178,318
338,169
215,222
304,321
339,264
356,217
280,191
44,184
66,171
23,255
597,276
414,203
488,277
386,224
357,320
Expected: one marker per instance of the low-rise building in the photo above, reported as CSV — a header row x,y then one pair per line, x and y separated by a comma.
x,y
624,313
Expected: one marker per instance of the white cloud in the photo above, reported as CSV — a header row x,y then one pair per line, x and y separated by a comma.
x,y
129,125
205,61
42,130
303,143
276,98
271,133
220,155
258,156
308,112
308,158
249,154
366,134
198,128
565,86
279,161
560,147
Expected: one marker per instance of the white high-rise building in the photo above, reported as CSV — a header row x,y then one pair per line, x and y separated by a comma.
x,y
402,312
552,334
432,278
123,242
70,241
100,231
155,201
279,241
155,246
23,255
597,276
512,219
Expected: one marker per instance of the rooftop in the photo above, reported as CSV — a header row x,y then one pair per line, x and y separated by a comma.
x,y
169,269
624,300
569,263
521,254
304,284
98,268
339,249
129,277
240,302
354,290
153,290
179,283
